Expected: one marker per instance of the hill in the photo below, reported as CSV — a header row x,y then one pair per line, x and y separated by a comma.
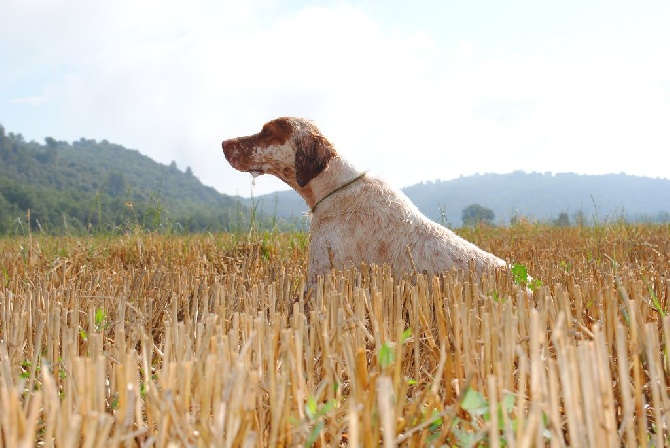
x,y
537,196
89,185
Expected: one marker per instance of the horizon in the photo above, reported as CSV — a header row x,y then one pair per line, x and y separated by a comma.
x,y
286,188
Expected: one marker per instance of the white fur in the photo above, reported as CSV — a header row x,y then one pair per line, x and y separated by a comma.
x,y
366,221
371,222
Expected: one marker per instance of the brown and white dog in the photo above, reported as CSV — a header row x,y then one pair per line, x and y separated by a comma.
x,y
356,218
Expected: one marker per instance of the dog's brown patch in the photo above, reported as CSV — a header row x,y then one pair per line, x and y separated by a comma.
x,y
275,132
313,152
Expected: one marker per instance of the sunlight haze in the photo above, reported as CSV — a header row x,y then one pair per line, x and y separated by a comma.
x,y
411,91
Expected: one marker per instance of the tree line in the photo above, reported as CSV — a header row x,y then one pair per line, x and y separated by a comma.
x,y
88,186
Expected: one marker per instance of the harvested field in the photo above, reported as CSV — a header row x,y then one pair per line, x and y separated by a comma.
x,y
149,340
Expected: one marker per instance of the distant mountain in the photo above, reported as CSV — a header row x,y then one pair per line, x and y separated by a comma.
x,y
90,186
536,196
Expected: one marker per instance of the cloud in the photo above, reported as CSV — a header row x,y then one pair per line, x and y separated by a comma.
x,y
334,65
28,100
173,80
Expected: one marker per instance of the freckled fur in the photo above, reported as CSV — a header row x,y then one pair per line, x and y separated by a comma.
x,y
368,221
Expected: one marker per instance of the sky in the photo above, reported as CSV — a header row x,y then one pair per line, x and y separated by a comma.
x,y
410,91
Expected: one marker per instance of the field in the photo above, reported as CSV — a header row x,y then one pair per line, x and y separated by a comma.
x,y
209,340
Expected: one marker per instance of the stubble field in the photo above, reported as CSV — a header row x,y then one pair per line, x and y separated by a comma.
x,y
150,340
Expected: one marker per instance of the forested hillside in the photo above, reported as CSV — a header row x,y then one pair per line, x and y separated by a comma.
x,y
89,186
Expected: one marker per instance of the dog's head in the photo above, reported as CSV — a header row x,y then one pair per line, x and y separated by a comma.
x,y
292,149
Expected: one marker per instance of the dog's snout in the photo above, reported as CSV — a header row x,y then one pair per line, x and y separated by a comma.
x,y
226,147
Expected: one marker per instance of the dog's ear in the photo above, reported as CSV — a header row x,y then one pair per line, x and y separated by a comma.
x,y
313,153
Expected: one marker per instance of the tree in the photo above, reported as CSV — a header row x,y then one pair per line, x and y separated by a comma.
x,y
51,142
475,214
563,220
116,184
51,152
580,218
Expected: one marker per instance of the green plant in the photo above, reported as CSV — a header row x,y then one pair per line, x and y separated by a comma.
x,y
316,414
100,317
386,354
521,277
473,431
154,214
98,321
654,299
443,216
5,276
26,365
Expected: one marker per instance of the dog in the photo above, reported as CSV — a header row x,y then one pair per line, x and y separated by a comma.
x,y
356,218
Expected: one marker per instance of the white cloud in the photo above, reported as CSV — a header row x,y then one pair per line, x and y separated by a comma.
x,y
27,100
173,79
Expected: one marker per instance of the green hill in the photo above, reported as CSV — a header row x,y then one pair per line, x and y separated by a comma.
x,y
90,186
543,197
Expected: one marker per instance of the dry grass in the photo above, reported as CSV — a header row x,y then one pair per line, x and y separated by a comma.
x,y
147,340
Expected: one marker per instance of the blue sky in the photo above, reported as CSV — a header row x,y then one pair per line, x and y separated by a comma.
x,y
411,91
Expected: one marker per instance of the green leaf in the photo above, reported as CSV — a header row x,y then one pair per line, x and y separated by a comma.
x,y
406,335
474,402
314,434
508,402
99,317
435,420
386,355
5,275
520,274
310,408
654,299
464,438
534,284
505,407
326,408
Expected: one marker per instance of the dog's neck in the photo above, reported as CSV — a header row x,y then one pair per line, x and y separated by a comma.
x,y
328,181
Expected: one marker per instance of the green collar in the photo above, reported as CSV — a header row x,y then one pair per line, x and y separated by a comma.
x,y
341,187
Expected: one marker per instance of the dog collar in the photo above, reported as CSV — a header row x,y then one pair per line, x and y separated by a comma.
x,y
341,187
